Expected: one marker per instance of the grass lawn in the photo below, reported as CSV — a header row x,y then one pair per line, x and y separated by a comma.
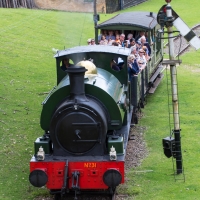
x,y
27,70
157,181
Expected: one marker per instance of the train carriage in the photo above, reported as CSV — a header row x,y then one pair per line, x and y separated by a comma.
x,y
135,22
150,77
87,116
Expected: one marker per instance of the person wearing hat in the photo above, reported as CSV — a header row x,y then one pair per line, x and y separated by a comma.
x,y
138,46
89,41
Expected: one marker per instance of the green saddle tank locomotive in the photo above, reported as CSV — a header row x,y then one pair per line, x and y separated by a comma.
x,y
87,116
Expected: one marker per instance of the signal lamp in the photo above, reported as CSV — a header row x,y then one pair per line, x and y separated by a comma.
x,y
169,147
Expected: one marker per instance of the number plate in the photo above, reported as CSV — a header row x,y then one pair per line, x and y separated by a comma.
x,y
90,165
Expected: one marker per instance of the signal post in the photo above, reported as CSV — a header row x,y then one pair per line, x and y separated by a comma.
x,y
173,145
174,88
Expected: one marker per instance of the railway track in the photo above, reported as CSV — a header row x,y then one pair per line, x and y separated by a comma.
x,y
88,196
180,43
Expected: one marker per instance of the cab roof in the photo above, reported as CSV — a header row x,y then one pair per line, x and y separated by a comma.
x,y
130,20
93,48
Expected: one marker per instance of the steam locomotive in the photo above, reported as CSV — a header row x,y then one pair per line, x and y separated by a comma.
x,y
86,117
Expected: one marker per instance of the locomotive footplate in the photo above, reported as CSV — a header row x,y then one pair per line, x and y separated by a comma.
x,y
90,173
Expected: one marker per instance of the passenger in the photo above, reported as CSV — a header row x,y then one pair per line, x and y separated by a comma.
x,y
132,43
129,37
141,64
146,53
117,39
138,46
110,41
141,59
134,33
103,40
122,42
105,32
99,36
115,44
117,32
133,68
110,35
146,36
144,43
114,65
134,52
66,64
93,42
142,33
120,63
117,64
140,39
89,41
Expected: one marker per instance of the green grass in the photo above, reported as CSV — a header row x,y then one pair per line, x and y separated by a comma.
x,y
159,183
27,69
187,10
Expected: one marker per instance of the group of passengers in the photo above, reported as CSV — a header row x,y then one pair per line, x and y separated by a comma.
x,y
140,54
139,46
114,38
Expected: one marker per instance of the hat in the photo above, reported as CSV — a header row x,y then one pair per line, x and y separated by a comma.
x,y
89,40
138,42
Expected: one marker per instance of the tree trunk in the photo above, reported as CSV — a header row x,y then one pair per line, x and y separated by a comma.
x,y
17,3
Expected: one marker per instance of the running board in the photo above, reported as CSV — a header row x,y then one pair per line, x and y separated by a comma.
x,y
156,83
157,72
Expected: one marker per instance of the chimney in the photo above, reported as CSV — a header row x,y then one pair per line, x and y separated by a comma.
x,y
77,86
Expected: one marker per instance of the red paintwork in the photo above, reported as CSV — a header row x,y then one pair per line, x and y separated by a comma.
x,y
91,173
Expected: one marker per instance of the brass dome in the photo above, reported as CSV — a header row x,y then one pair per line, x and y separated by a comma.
x,y
91,68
